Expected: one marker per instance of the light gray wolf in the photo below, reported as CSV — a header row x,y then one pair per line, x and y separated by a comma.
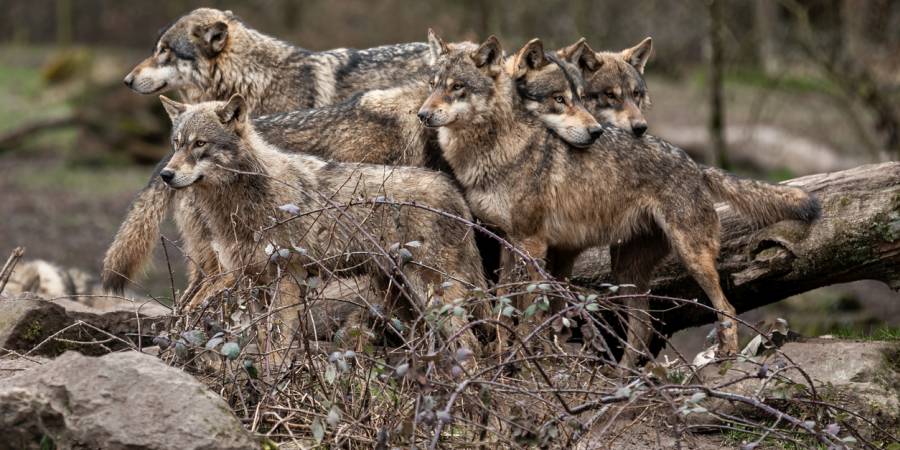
x,y
642,195
270,212
210,54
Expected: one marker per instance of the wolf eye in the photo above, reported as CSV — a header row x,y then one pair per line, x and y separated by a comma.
x,y
457,86
199,144
559,99
610,95
637,93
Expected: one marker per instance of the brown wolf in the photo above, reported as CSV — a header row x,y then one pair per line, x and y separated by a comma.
x,y
257,200
643,195
615,91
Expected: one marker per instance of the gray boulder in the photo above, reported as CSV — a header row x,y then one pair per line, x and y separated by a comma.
x,y
118,401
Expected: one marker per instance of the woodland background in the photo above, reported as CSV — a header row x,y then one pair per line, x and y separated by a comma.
x,y
772,89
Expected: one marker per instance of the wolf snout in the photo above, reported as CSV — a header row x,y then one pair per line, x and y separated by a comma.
x,y
639,128
424,116
129,80
167,175
595,132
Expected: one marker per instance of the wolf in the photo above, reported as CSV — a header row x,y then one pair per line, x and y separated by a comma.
x,y
615,90
210,54
643,195
260,202
378,126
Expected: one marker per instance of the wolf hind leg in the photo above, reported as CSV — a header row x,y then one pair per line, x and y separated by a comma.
x,y
696,242
633,262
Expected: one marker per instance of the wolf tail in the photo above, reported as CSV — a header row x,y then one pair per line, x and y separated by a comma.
x,y
137,236
761,202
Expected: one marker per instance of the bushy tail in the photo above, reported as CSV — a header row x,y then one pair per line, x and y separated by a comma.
x,y
761,202
136,237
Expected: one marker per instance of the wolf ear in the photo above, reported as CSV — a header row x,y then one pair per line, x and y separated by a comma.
x,y
235,111
173,108
212,37
489,53
530,57
436,46
638,55
582,55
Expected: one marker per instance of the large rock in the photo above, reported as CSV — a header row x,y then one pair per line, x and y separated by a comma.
x,y
862,376
27,321
118,401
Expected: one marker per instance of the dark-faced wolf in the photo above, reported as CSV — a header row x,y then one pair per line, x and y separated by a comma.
x,y
614,87
261,204
643,196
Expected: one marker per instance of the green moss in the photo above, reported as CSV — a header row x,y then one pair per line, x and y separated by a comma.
x,y
33,332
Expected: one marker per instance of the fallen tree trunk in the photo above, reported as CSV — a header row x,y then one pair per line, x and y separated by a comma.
x,y
857,238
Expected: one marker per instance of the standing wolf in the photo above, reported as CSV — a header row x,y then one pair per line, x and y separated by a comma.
x,y
643,195
240,184
210,55
378,126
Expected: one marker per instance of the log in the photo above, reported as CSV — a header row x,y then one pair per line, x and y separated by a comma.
x,y
857,238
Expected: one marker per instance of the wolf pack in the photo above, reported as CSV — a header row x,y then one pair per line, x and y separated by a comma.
x,y
429,173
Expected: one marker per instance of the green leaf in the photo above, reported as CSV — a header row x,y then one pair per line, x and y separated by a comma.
x,y
593,307
194,337
530,310
544,287
318,430
251,369
231,350
508,311
531,288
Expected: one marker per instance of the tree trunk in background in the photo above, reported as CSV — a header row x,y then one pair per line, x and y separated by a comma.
x,y
857,238
64,22
716,68
764,27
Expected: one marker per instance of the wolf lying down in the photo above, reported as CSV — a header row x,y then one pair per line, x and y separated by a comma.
x,y
332,218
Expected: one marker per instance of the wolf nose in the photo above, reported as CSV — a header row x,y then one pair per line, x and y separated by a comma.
x,y
639,128
129,80
595,132
167,175
423,116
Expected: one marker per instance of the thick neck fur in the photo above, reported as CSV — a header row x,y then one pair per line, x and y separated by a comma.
x,y
474,150
264,178
252,64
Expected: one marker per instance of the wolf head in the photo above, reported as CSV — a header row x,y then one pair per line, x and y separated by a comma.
x,y
615,90
552,90
468,83
207,140
183,51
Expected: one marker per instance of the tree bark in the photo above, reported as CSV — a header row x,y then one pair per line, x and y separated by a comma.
x,y
716,83
857,238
